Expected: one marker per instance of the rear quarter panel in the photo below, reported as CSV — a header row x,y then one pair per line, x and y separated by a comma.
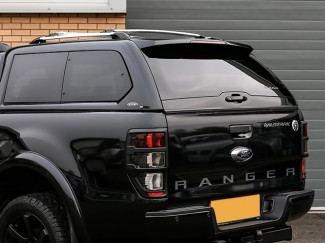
x,y
87,140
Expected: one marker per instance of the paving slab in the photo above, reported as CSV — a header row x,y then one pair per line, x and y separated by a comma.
x,y
309,228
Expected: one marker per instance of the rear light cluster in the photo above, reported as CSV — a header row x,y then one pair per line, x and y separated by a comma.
x,y
305,138
147,162
304,148
303,168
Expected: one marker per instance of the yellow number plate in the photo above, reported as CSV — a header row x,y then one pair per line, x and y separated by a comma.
x,y
232,209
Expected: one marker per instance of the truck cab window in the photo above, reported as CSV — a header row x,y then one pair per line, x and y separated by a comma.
x,y
36,78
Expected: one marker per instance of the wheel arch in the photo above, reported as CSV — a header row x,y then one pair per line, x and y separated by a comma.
x,y
37,169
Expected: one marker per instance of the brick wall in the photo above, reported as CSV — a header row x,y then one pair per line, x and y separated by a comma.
x,y
20,29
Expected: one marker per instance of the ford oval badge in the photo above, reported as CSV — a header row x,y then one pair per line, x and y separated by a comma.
x,y
241,154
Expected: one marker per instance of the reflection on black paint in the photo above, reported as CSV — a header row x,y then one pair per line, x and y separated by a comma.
x,y
103,161
205,148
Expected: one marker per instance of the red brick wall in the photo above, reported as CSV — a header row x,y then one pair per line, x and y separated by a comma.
x,y
20,29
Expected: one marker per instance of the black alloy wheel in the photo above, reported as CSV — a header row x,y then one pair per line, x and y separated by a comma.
x,y
36,218
27,228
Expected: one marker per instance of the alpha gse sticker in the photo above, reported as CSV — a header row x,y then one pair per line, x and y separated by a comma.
x,y
295,125
277,124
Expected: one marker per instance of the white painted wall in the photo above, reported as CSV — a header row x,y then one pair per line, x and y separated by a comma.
x,y
63,6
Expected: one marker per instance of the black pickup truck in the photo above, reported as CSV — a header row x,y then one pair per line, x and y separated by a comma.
x,y
147,135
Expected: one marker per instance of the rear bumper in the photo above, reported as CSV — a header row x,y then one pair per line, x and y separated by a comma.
x,y
200,221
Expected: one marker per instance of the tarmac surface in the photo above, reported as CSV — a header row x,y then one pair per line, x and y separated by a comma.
x,y
309,229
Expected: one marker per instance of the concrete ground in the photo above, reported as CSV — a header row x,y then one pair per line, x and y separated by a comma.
x,y
309,229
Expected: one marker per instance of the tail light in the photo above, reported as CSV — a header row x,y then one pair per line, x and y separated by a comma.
x,y
305,129
305,138
303,168
148,140
154,181
304,149
156,194
147,161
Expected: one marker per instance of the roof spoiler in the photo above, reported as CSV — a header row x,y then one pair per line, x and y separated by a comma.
x,y
199,49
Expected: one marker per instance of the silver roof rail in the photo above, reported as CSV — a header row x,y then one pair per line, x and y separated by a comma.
x,y
128,31
115,34
63,35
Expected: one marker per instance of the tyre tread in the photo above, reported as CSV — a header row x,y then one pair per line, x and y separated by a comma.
x,y
51,208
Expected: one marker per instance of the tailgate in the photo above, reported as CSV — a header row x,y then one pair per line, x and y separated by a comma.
x,y
222,154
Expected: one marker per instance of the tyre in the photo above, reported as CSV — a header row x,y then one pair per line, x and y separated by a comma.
x,y
36,218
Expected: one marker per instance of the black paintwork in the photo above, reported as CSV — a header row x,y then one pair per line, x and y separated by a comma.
x,y
286,208
204,144
80,151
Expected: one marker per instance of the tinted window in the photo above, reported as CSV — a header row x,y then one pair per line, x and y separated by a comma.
x,y
95,76
258,68
36,78
185,78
